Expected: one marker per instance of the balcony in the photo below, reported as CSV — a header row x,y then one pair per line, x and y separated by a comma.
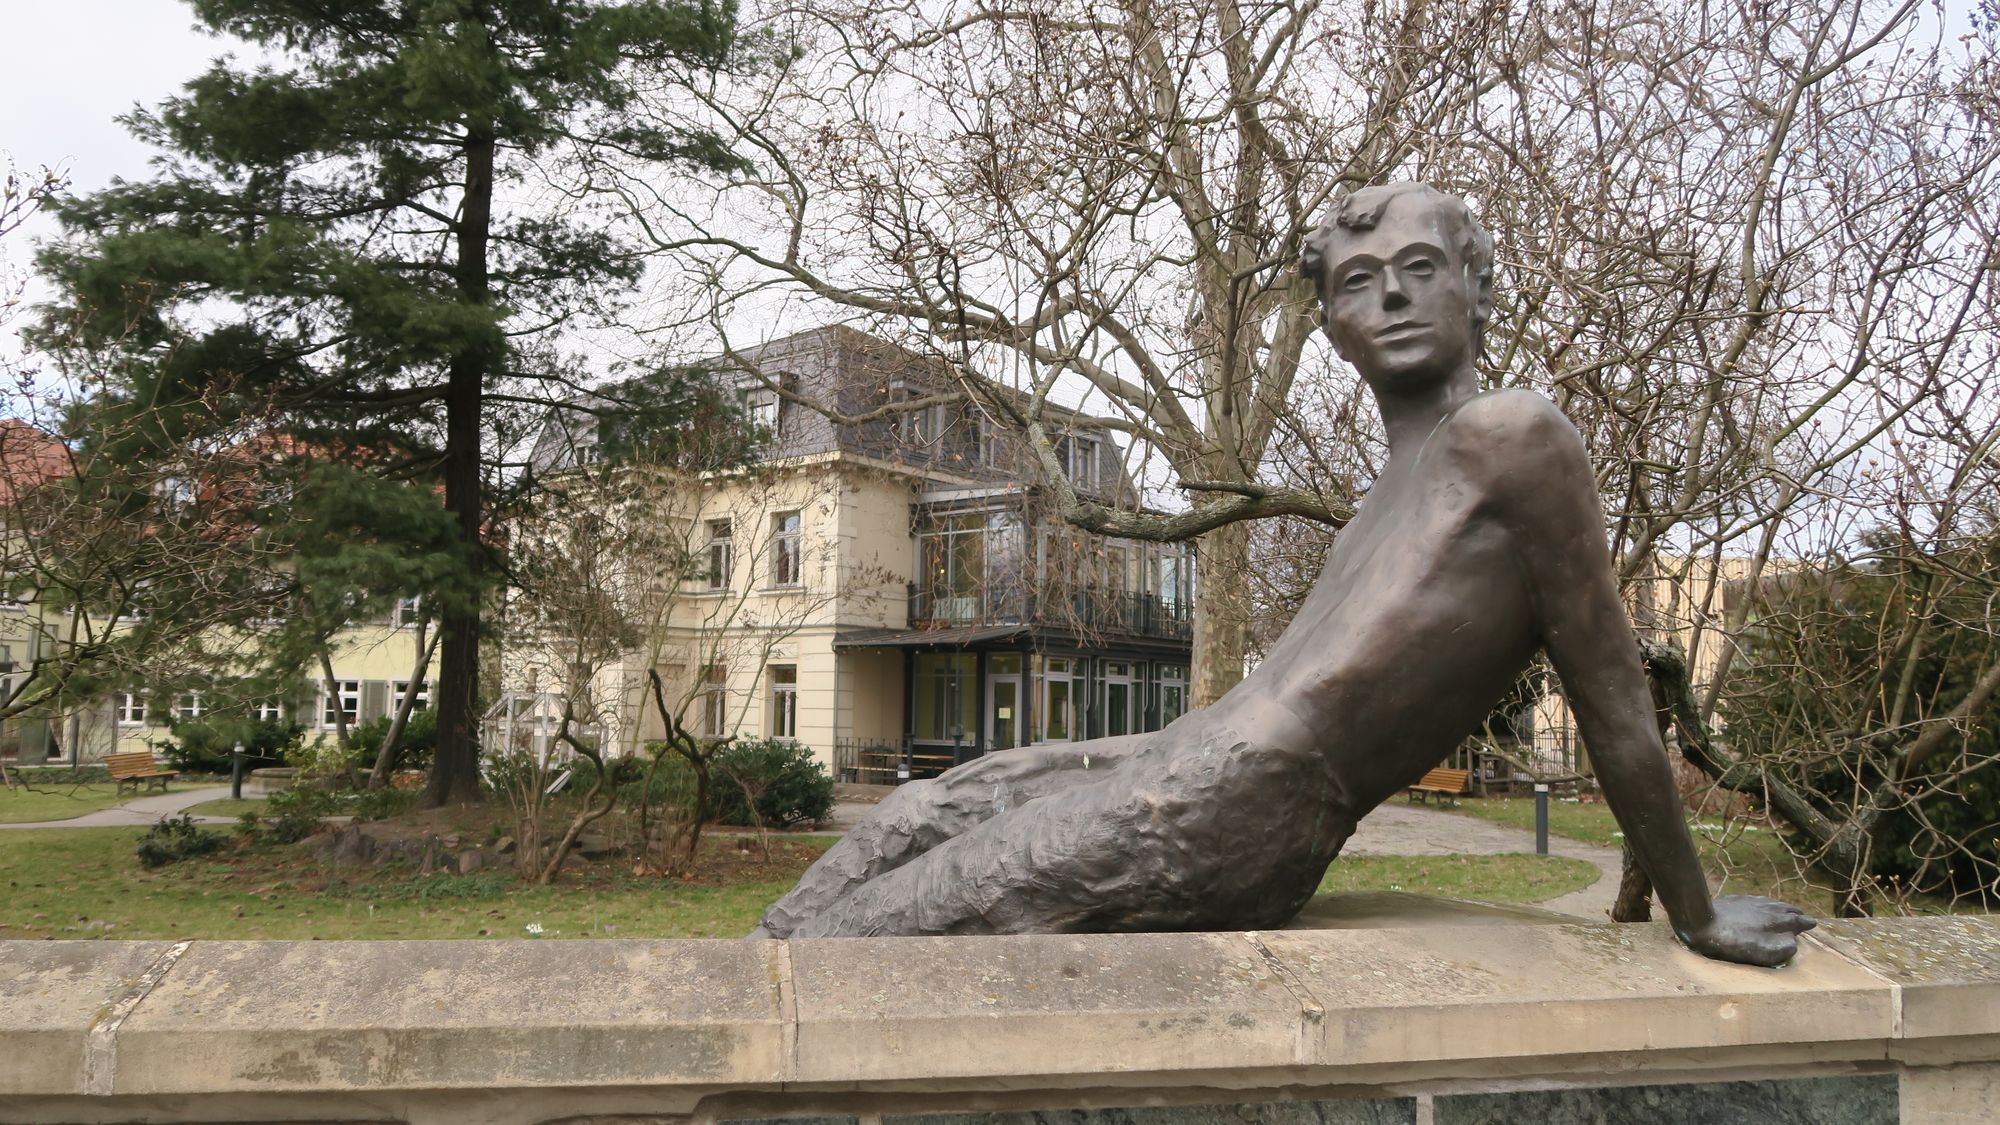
x,y
1088,611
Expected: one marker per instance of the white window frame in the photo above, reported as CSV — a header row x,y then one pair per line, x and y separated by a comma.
x,y
714,701
188,706
787,556
785,702
398,687
722,542
348,691
270,711
130,709
405,613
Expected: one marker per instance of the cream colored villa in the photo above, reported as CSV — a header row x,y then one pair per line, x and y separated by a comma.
x,y
890,592
371,664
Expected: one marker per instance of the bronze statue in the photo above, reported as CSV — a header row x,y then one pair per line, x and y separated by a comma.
x,y
1481,542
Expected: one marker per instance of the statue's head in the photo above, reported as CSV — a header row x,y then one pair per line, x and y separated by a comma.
x,y
1405,280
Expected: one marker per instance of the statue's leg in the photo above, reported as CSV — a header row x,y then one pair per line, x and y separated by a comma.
x,y
1221,835
923,814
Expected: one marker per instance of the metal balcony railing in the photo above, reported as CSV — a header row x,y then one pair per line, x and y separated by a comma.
x,y
1088,610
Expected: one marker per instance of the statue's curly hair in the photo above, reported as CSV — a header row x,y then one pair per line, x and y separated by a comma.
x,y
1361,210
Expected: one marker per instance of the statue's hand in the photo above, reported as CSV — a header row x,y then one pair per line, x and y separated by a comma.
x,y
1750,930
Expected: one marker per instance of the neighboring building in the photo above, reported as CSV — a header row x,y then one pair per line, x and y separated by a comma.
x,y
1684,600
372,663
894,586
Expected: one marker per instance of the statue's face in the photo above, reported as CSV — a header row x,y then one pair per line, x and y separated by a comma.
x,y
1399,305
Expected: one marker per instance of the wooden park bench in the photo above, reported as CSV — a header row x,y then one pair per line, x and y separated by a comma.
x,y
131,769
1443,782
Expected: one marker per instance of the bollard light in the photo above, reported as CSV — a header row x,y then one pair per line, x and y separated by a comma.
x,y
1541,819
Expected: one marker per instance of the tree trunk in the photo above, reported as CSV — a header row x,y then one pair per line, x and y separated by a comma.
x,y
455,771
1221,612
1635,892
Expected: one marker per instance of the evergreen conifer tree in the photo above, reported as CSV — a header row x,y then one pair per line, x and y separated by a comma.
x,y
359,235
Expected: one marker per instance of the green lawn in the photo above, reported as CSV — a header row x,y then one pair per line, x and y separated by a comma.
x,y
84,882
1744,858
227,807
49,801
1489,878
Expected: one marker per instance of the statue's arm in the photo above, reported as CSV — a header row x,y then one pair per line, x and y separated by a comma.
x,y
1559,532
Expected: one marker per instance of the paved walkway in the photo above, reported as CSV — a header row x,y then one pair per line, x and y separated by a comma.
x,y
141,812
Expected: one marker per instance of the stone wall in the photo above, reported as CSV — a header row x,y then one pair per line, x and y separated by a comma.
x,y
1894,1020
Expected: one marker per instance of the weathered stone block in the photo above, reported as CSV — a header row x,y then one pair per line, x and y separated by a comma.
x,y
52,995
1049,1005
262,1016
1477,992
1948,969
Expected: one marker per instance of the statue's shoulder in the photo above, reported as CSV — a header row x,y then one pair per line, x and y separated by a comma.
x,y
1514,432
1508,417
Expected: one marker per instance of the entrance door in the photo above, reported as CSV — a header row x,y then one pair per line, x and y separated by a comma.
x,y
1003,701
1118,698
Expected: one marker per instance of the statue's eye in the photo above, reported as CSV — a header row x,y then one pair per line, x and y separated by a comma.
x,y
1355,280
1419,267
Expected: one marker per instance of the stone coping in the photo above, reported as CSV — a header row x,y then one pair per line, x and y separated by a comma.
x,y
219,1017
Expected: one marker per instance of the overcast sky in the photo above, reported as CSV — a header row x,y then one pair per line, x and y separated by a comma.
x,y
68,68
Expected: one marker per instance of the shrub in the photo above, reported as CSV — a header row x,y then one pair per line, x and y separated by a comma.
x,y
789,785
414,750
205,745
174,839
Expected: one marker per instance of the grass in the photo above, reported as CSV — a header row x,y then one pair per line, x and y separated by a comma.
x,y
1489,878
50,801
84,882
1742,858
228,807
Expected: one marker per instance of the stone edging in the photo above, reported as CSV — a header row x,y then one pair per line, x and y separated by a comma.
x,y
242,1018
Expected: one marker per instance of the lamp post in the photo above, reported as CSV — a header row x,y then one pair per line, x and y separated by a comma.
x,y
1541,819
236,772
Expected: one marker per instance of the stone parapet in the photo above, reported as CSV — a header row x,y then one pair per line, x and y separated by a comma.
x,y
1413,1025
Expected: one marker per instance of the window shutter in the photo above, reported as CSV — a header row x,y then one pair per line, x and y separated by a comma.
x,y
374,699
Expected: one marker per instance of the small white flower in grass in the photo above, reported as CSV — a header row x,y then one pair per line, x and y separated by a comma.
x,y
534,929
1618,835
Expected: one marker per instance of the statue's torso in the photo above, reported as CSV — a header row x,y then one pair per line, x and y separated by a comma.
x,y
1418,624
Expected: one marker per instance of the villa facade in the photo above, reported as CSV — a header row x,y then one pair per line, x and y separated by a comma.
x,y
894,593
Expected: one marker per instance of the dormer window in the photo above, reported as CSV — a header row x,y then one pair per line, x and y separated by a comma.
x,y
759,404
1082,457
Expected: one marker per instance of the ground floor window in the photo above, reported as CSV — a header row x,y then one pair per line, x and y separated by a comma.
x,y
344,702
1058,699
784,701
131,708
270,711
945,697
1173,692
189,706
400,688
714,701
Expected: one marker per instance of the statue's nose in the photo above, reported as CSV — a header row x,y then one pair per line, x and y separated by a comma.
x,y
1393,295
